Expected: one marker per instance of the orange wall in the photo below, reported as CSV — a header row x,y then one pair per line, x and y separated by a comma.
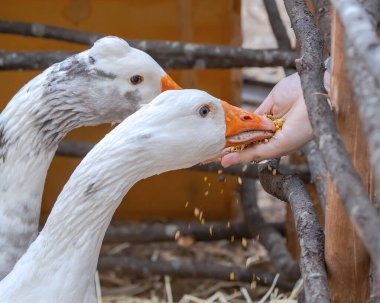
x,y
204,21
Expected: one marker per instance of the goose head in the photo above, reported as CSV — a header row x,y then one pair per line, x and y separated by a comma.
x,y
107,82
188,126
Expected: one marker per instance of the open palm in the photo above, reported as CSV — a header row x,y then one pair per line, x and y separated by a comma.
x,y
285,101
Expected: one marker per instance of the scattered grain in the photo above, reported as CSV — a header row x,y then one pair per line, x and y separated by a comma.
x,y
244,242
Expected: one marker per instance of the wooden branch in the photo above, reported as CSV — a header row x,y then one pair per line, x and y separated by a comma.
x,y
250,170
190,54
277,25
278,29
184,269
374,285
269,237
352,270
360,33
358,74
367,95
310,234
318,170
80,149
75,149
160,232
11,60
49,32
372,7
342,172
322,9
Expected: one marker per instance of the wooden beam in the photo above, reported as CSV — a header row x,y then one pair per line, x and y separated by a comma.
x,y
346,258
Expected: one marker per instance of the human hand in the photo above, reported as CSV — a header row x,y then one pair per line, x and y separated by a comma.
x,y
284,101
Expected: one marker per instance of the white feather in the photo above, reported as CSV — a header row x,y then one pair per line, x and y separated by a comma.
x,y
90,88
165,135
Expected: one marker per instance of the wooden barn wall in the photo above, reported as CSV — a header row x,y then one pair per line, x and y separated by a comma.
x,y
203,21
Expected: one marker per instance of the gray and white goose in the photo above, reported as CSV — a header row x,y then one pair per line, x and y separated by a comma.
x,y
103,84
176,130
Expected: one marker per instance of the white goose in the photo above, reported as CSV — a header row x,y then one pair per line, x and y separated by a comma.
x,y
101,85
176,130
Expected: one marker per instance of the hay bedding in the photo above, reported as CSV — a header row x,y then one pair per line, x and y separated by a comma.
x,y
128,288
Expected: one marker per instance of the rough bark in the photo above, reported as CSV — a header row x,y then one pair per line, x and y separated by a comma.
x,y
278,29
182,269
322,8
367,95
346,257
374,285
10,60
366,89
186,55
361,32
343,174
318,170
372,7
160,232
269,237
310,234
277,25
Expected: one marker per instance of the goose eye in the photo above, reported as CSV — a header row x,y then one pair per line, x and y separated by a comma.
x,y
136,79
204,110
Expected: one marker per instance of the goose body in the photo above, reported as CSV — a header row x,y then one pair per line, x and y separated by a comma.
x,y
101,85
176,130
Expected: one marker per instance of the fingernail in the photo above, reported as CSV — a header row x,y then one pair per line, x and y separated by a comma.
x,y
228,160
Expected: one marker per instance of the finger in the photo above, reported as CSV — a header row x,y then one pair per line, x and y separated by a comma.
x,y
216,158
259,152
283,143
231,159
256,153
266,106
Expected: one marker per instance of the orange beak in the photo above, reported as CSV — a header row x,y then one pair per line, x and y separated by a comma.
x,y
243,127
168,83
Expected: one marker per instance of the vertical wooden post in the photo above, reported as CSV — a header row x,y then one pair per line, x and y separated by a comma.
x,y
346,259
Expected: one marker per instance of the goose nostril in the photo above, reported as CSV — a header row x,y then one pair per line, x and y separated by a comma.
x,y
246,117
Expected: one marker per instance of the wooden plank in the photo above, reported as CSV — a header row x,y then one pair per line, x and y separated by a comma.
x,y
346,258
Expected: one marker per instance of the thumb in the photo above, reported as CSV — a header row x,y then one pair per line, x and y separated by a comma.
x,y
254,153
266,106
235,158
